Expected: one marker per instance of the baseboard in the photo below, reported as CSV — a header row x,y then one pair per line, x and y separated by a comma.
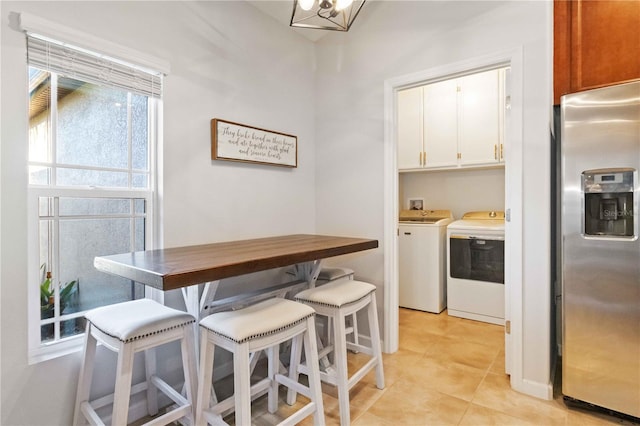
x,y
535,389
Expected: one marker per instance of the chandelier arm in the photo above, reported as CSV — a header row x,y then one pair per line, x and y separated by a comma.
x,y
328,18
306,18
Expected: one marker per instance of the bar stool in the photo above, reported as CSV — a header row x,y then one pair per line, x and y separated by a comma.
x,y
337,300
261,326
328,275
127,328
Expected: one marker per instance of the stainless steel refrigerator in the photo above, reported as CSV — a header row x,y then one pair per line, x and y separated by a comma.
x,y
600,257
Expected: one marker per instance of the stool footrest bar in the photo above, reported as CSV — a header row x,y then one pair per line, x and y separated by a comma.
x,y
300,388
91,414
299,415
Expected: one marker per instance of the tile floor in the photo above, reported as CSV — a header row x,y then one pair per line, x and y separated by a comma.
x,y
448,371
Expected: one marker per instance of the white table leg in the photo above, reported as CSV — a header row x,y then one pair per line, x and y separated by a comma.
x,y
196,306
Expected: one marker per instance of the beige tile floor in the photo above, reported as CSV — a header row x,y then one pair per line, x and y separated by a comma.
x,y
448,371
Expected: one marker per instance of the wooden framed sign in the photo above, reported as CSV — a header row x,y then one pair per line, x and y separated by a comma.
x,y
238,142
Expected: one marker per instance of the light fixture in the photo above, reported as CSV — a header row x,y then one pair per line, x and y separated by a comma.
x,y
336,15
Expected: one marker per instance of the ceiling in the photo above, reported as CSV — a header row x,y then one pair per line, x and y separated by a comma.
x,y
281,10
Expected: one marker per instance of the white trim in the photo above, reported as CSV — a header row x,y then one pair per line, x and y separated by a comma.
x,y
513,198
391,298
88,192
154,239
33,24
45,352
514,243
1,218
535,389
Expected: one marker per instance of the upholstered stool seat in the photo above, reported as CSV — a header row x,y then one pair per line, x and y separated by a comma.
x,y
334,273
261,326
127,328
337,300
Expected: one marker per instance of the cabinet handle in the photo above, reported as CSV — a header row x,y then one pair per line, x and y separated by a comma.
x,y
425,158
495,152
407,233
501,152
420,158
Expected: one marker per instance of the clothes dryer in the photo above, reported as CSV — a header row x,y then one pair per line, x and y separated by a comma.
x,y
475,267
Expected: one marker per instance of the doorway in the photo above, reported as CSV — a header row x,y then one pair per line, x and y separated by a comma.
x,y
513,197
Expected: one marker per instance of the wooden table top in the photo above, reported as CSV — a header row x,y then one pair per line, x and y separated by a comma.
x,y
171,268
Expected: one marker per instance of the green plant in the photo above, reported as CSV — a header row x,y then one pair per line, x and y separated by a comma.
x,y
47,293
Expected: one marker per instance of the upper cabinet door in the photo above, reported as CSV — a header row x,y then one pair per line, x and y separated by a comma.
x,y
479,118
440,124
596,44
410,152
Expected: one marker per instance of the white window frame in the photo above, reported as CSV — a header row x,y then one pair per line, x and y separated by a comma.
x,y
40,351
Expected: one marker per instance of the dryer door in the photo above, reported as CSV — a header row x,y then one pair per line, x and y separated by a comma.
x,y
477,258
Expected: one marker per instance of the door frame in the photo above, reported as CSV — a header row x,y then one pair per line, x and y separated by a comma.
x,y
513,142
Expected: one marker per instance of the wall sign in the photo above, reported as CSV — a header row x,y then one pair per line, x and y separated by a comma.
x,y
238,142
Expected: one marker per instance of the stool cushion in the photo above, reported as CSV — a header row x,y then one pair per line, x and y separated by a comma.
x,y
336,293
262,319
137,319
331,274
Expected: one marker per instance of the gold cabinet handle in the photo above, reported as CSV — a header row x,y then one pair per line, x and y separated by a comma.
x,y
495,152
424,161
501,152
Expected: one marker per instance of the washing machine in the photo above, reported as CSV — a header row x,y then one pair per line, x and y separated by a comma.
x,y
475,267
422,259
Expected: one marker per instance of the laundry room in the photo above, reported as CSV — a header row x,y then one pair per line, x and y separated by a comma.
x,y
438,209
451,158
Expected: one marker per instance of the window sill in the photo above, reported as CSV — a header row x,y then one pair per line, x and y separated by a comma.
x,y
48,351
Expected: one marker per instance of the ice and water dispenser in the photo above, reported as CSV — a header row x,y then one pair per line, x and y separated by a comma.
x,y
608,202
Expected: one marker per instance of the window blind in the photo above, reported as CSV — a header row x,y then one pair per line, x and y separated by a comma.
x,y
81,64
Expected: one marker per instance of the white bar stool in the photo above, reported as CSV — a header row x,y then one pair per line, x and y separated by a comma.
x,y
328,275
127,328
261,326
337,300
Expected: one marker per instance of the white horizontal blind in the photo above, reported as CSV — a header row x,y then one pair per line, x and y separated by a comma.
x,y
81,64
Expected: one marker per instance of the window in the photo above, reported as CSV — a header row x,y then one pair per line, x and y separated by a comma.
x,y
92,142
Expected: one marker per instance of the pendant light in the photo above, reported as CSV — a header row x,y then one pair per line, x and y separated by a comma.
x,y
336,15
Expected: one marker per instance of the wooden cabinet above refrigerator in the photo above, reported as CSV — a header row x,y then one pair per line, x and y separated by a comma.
x,y
596,43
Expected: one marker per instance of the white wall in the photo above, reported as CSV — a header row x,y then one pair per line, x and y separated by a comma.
x,y
392,39
460,191
229,61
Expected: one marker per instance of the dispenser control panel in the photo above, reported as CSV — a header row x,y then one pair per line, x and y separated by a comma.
x,y
608,202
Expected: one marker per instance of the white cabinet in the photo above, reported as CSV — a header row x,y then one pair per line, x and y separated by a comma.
x,y
410,148
422,266
440,123
452,123
480,118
